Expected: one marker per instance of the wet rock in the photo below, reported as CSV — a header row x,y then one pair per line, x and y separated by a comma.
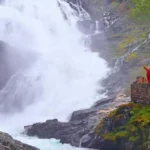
x,y
96,142
8,143
97,37
86,26
115,82
96,139
70,132
94,7
82,114
80,126
109,19
81,123
121,130
104,101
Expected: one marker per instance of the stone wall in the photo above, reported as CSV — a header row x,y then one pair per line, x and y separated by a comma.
x,y
140,91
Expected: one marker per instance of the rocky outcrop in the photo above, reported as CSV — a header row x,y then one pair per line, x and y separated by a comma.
x,y
67,132
70,132
126,128
81,125
8,143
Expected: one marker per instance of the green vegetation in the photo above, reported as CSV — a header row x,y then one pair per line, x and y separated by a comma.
x,y
136,129
131,56
140,10
134,35
129,39
130,122
137,14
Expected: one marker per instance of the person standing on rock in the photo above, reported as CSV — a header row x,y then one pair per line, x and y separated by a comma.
x,y
148,73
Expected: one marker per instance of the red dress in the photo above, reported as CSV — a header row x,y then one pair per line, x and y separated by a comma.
x,y
148,74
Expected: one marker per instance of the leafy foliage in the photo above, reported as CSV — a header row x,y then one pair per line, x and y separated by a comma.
x,y
140,9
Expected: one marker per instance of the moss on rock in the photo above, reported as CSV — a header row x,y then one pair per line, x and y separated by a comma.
x,y
129,123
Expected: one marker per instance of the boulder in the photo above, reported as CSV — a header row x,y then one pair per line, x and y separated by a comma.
x,y
70,132
8,143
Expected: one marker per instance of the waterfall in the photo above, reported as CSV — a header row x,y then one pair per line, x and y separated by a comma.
x,y
77,5
63,73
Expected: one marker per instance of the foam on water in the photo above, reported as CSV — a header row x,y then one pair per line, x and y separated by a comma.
x,y
48,144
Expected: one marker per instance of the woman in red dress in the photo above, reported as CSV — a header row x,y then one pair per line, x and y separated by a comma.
x,y
148,73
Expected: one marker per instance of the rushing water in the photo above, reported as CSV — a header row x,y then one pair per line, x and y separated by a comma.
x,y
62,75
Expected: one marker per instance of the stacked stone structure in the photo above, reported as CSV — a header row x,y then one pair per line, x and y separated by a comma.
x,y
140,91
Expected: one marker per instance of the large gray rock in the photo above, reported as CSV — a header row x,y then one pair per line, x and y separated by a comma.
x,y
8,143
111,124
70,132
82,122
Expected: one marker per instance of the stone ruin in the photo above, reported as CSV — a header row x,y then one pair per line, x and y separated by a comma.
x,y
140,91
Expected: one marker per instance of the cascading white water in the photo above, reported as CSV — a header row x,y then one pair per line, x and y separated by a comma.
x,y
64,74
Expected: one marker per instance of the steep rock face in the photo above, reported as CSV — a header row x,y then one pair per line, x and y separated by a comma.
x,y
122,44
66,132
93,7
8,143
126,128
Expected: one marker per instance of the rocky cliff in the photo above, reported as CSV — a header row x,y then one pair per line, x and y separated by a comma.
x,y
126,44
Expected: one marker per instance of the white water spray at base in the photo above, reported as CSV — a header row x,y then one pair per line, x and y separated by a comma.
x,y
64,76
48,144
